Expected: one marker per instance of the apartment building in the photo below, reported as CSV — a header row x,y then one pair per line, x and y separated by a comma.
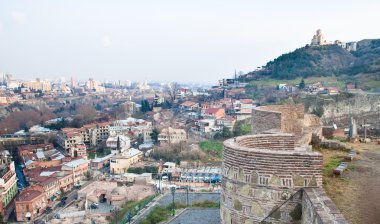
x,y
172,136
8,185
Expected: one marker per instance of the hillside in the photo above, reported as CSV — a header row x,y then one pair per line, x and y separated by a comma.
x,y
324,60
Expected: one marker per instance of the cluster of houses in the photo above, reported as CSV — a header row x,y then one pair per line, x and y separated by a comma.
x,y
49,174
319,88
209,118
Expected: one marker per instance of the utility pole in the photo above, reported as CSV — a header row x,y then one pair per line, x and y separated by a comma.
x,y
187,195
172,189
365,129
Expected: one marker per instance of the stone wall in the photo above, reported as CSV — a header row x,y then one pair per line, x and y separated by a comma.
x,y
287,118
308,205
263,120
259,175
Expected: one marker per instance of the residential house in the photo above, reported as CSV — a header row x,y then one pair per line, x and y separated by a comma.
x,y
51,188
120,163
125,142
99,163
79,169
189,106
69,137
78,150
172,136
30,203
213,113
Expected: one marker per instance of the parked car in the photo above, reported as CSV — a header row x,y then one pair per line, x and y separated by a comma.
x,y
94,205
61,204
207,178
48,210
64,198
216,178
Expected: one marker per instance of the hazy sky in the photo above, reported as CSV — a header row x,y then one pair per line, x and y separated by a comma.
x,y
185,41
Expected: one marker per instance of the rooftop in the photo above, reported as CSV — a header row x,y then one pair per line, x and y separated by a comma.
x,y
28,195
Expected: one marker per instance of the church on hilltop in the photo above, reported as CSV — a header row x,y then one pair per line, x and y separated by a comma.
x,y
319,39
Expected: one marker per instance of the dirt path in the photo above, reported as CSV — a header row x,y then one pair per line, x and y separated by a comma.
x,y
366,176
357,192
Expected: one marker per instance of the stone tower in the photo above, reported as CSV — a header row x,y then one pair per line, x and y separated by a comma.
x,y
318,39
261,171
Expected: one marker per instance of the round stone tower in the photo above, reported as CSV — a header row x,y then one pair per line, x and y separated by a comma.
x,y
262,171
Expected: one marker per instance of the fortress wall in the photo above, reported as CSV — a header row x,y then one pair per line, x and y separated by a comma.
x,y
256,180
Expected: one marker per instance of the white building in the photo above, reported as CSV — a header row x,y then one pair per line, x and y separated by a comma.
x,y
125,142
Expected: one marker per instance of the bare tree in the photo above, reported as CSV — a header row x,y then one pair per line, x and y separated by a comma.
x,y
171,90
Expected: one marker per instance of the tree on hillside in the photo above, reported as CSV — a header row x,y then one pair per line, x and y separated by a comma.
x,y
171,90
86,113
154,135
145,106
118,144
302,84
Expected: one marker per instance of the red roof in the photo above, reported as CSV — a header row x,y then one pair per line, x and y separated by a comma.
x,y
213,110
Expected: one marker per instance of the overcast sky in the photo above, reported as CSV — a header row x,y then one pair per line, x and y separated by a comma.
x,y
162,40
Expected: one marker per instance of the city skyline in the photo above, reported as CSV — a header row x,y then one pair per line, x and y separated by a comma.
x,y
167,41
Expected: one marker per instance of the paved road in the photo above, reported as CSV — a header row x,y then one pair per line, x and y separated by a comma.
x,y
72,196
193,198
166,199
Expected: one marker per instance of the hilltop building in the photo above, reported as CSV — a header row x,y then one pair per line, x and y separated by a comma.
x,y
318,39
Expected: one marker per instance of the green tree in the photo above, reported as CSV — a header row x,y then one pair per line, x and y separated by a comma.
x,y
154,135
118,144
145,106
241,128
302,84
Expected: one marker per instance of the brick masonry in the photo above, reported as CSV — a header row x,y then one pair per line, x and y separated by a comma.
x,y
260,172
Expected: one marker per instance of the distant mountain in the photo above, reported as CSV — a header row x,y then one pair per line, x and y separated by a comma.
x,y
324,60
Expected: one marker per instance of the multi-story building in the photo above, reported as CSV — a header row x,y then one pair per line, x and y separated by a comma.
x,y
69,137
51,188
78,150
124,141
38,85
95,133
172,136
90,134
120,163
132,127
79,169
8,185
66,180
30,203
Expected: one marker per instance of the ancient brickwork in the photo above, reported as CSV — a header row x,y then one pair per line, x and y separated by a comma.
x,y
272,120
308,205
261,172
287,118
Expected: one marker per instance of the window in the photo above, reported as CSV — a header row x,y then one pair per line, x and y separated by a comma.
x,y
235,175
287,182
246,209
264,180
306,182
248,178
